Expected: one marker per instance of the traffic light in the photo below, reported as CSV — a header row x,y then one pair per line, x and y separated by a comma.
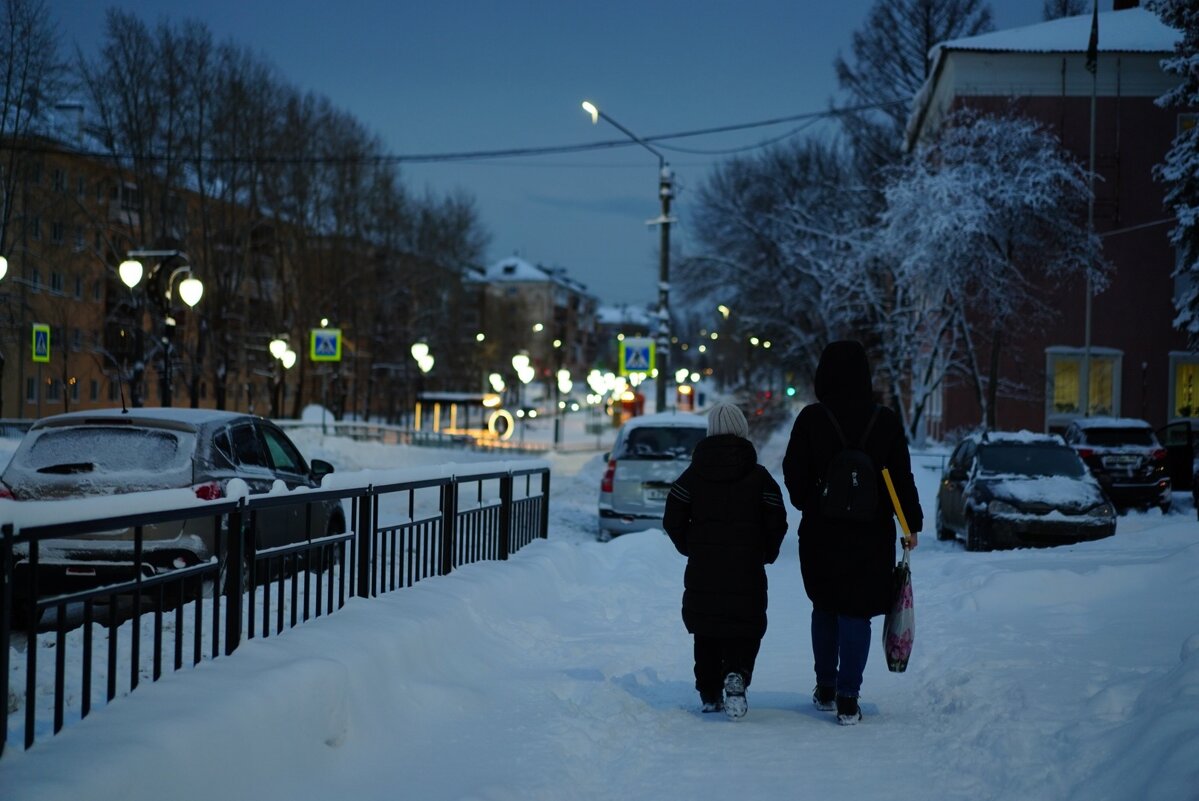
x,y
790,392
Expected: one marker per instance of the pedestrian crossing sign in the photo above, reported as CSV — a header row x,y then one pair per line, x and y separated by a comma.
x,y
41,342
326,345
636,355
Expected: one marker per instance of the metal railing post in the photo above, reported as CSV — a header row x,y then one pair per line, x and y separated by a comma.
x,y
505,536
5,627
545,505
449,513
234,578
365,543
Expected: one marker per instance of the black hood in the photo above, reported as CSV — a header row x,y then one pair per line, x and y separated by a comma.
x,y
724,457
843,375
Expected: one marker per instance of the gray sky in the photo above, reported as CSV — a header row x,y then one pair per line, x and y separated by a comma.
x,y
438,76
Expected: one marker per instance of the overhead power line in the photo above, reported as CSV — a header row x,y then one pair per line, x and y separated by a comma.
x,y
479,155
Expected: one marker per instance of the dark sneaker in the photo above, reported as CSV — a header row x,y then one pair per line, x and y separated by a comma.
x,y
848,711
735,705
825,698
711,704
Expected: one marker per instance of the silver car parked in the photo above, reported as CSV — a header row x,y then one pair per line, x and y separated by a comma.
x,y
649,454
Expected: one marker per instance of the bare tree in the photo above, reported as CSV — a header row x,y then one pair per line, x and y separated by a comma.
x,y
1054,9
890,63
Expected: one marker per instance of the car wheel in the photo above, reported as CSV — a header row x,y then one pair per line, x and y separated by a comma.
x,y
1165,507
974,539
943,533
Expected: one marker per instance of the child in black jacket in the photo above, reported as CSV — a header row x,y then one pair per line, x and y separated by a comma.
x,y
725,514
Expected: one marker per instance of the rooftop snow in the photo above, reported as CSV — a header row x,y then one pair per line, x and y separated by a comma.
x,y
1133,30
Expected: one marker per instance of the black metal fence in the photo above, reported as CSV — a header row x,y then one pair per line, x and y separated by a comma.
x,y
147,617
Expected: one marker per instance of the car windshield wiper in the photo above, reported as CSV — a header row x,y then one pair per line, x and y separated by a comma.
x,y
68,468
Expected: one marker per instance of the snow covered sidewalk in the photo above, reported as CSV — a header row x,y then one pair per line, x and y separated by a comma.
x,y
1068,673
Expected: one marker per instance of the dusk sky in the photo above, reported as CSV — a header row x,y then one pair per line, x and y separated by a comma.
x,y
452,76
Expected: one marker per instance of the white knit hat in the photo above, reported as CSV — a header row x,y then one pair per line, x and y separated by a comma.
x,y
725,418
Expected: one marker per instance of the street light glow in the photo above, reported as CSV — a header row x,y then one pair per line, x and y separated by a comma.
x,y
419,351
3,267
131,272
191,289
278,347
288,358
590,108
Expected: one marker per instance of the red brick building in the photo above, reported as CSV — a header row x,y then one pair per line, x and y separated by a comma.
x,y
1139,364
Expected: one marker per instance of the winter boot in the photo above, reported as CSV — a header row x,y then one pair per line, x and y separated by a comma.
x,y
848,711
713,704
735,705
824,698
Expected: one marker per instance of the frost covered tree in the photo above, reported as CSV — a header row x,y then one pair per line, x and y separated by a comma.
x,y
1180,171
976,225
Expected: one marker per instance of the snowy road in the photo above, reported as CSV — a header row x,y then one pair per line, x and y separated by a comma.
x,y
1069,673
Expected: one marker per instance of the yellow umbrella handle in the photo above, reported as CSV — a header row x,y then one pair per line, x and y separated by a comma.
x,y
903,521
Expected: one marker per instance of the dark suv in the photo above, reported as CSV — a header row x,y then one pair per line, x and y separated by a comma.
x,y
1019,489
1126,458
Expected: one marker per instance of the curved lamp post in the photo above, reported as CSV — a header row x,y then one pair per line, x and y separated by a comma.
x,y
665,194
424,361
191,289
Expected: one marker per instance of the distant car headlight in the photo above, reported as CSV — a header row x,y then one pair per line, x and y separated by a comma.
x,y
1103,509
1002,508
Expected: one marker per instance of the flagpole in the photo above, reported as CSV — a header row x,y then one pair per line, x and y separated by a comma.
x,y
1093,66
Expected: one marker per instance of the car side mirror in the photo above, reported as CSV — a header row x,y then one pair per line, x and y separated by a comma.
x,y
957,474
320,469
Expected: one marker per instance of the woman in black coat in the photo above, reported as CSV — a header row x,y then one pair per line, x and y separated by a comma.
x,y
725,514
847,566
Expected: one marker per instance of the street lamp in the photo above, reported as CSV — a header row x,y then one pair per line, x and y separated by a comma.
x,y
285,358
665,194
420,353
191,289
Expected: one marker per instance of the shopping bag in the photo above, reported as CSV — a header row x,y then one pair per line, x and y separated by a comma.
x,y
899,626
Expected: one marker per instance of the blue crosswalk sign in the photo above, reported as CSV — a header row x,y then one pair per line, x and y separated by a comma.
x,y
636,355
41,342
326,345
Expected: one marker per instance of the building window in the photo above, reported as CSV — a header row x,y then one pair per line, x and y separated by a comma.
x,y
114,390
79,239
93,390
1063,372
35,279
31,390
53,389
78,287
35,173
57,232
1184,385
98,290
74,390
58,180
76,338
81,187
56,282
35,227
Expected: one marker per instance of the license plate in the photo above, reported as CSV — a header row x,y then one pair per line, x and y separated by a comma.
x,y
656,493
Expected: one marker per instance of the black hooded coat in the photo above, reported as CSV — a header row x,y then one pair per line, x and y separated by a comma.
x,y
847,567
725,514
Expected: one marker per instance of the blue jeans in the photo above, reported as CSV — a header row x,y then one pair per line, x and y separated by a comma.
x,y
841,645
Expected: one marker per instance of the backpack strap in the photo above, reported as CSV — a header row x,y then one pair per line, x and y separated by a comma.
x,y
866,433
837,426
841,434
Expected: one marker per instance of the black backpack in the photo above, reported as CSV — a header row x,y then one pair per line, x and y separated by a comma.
x,y
850,487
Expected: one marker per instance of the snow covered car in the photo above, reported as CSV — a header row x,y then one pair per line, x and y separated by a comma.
x,y
108,452
1010,490
1126,458
1181,441
649,454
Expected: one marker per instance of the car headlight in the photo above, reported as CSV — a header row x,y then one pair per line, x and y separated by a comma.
x,y
1002,508
1103,509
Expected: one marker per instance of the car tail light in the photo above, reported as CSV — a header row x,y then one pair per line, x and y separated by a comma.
x,y
609,475
210,491
1159,455
1086,453
5,492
